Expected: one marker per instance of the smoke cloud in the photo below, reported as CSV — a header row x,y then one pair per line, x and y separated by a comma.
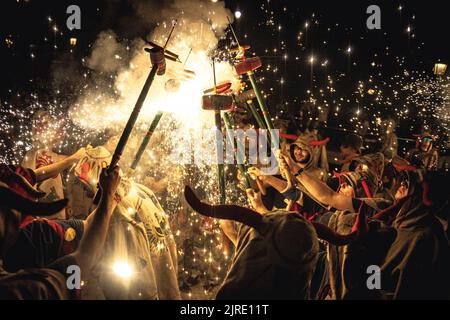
x,y
199,26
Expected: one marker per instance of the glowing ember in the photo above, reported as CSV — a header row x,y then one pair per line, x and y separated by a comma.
x,y
122,269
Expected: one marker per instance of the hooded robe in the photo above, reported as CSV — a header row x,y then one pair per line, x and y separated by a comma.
x,y
348,264
139,233
418,262
274,262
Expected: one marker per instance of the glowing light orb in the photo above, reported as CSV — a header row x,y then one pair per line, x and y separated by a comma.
x,y
440,68
237,14
123,269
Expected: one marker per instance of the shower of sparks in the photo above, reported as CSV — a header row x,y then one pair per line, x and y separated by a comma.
x,y
414,97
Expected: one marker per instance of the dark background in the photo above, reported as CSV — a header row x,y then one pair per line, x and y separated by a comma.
x,y
339,23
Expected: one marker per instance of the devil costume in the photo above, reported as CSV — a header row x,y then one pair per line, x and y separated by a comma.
x,y
139,233
41,241
405,240
417,263
35,283
266,264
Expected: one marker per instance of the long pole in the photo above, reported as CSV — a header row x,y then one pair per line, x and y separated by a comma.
x,y
256,115
237,151
258,94
261,101
129,126
146,140
220,165
157,117
234,33
133,118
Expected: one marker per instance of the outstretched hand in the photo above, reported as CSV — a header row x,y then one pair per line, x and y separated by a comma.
x,y
255,173
285,165
255,201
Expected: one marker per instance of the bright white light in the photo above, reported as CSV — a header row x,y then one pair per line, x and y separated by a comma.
x,y
237,14
122,269
311,59
349,50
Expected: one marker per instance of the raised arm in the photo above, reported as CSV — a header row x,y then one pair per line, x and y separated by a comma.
x,y
318,189
91,245
47,172
279,184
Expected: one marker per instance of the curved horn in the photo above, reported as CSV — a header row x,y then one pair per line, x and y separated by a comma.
x,y
425,194
227,212
366,188
10,199
400,167
359,229
288,136
386,214
316,143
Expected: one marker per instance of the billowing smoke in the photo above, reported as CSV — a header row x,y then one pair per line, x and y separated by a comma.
x,y
107,53
199,26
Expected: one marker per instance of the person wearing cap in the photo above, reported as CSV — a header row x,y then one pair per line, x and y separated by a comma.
x,y
51,281
23,179
424,154
41,240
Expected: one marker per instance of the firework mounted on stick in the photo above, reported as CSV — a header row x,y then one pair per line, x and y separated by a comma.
x,y
157,58
218,103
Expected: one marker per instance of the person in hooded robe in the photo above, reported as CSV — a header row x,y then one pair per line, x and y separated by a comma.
x,y
139,234
406,241
414,253
308,154
50,282
266,264
424,154
417,263
353,190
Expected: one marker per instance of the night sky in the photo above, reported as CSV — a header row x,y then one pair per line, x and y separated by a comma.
x,y
277,32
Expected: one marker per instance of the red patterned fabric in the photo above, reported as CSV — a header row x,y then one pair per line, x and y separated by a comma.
x,y
29,175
